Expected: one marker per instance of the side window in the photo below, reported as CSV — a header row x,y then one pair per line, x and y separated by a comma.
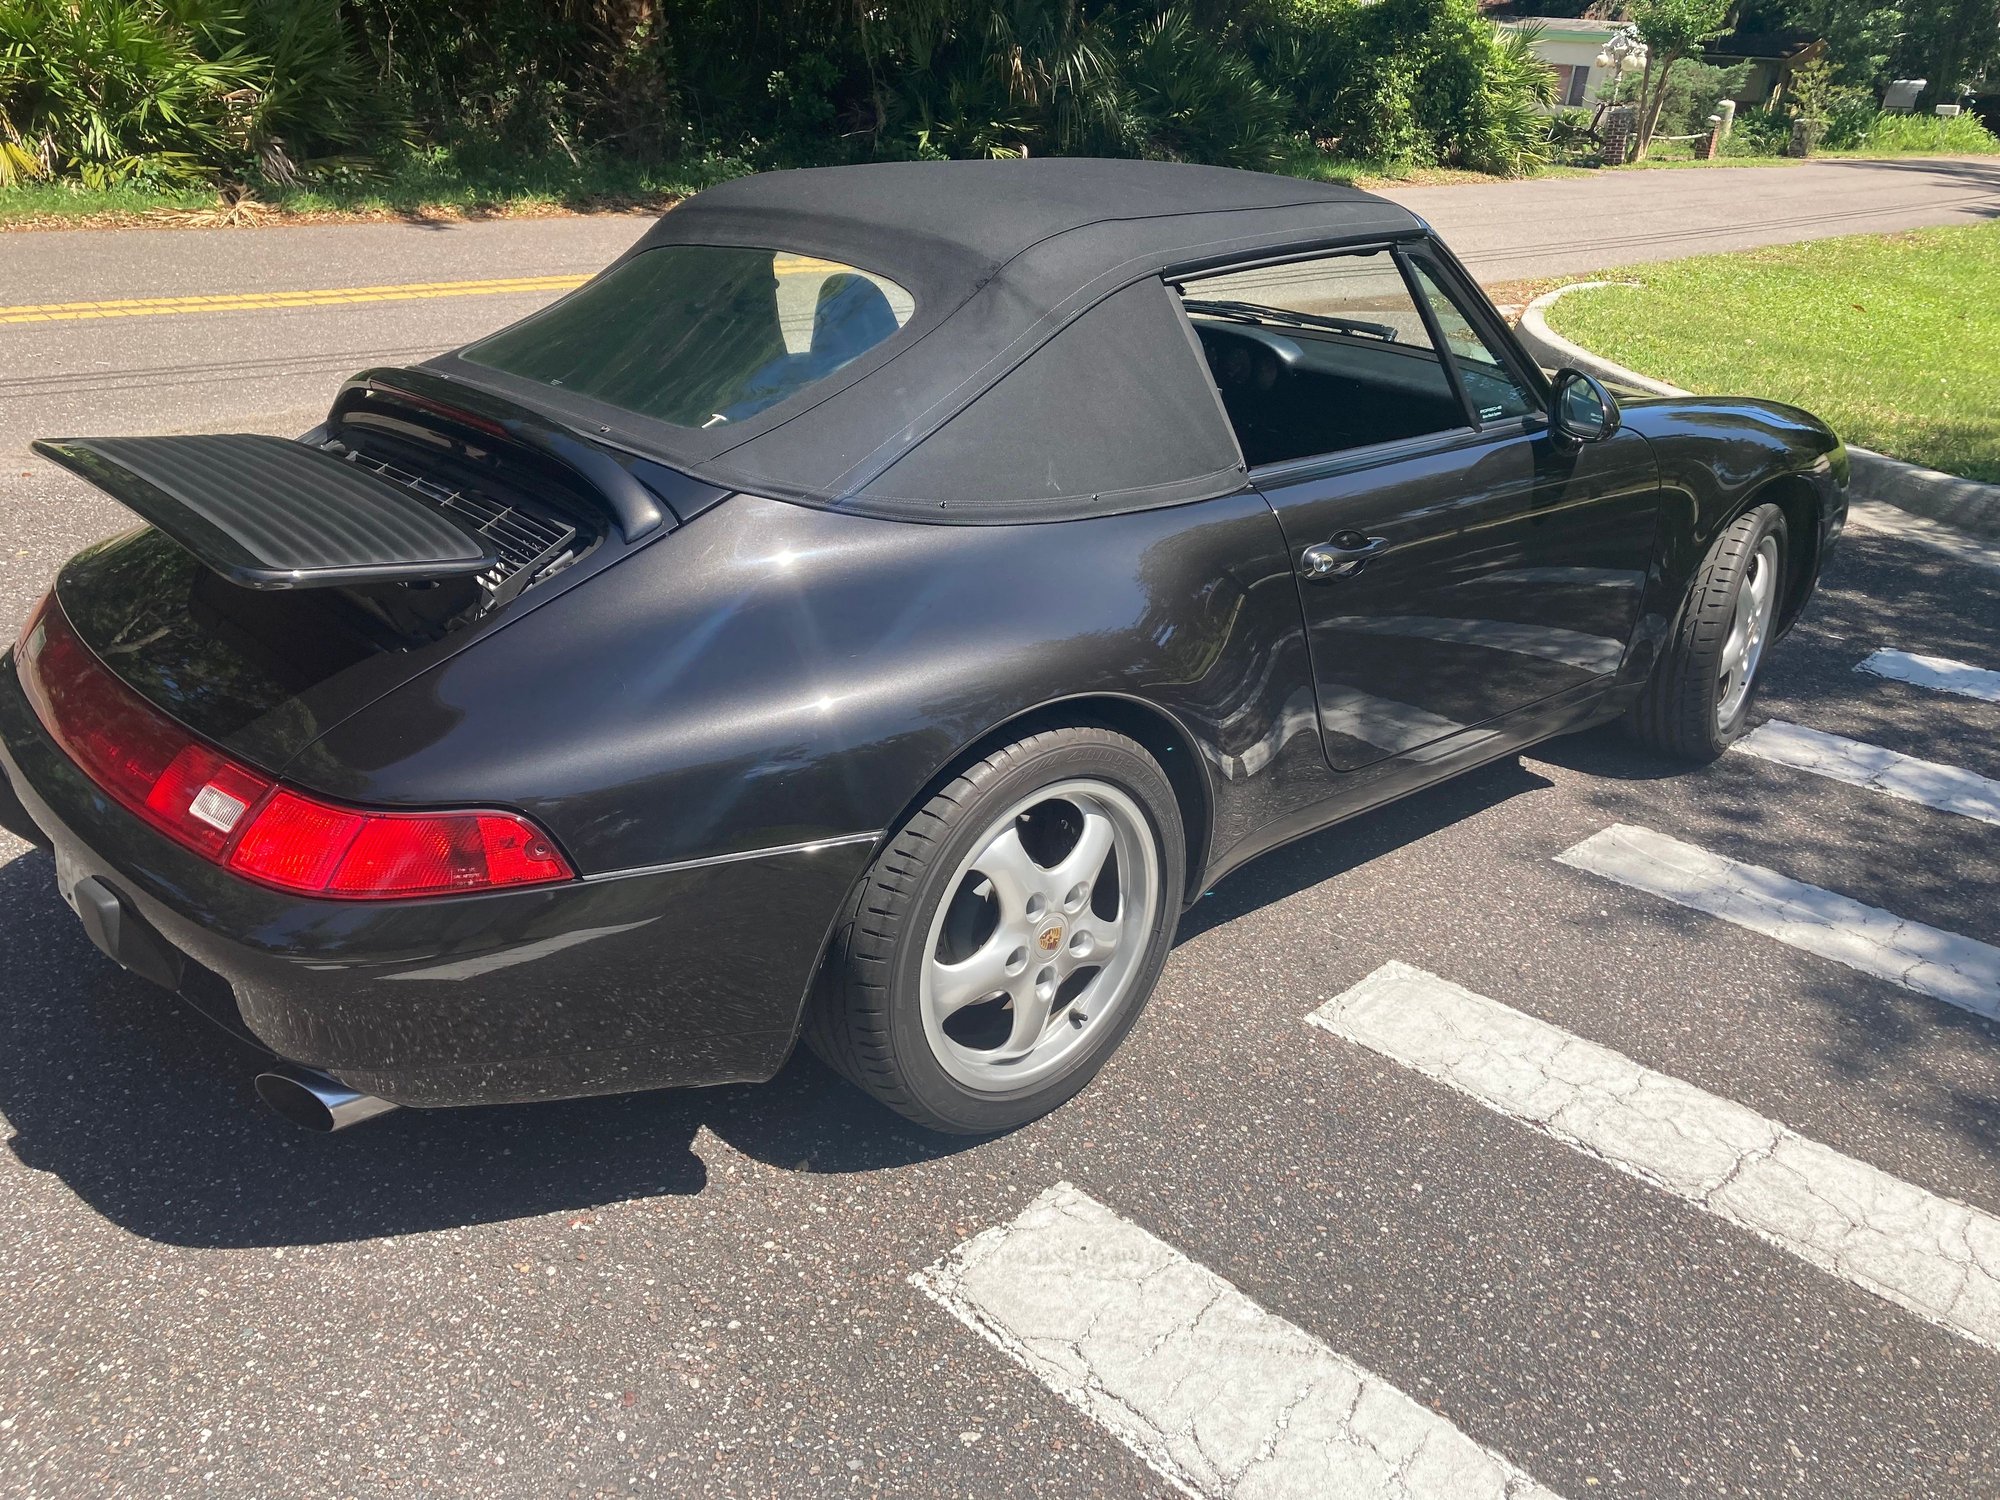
x,y
1491,388
1320,356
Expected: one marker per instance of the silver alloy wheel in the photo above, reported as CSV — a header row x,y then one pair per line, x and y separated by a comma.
x,y
1030,958
1749,629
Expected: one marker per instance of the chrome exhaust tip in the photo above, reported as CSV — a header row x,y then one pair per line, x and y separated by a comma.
x,y
317,1101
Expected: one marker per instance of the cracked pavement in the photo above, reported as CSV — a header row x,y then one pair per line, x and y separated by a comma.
x,y
1939,1258
1214,1391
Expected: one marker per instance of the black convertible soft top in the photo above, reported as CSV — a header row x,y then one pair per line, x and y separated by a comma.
x,y
1045,371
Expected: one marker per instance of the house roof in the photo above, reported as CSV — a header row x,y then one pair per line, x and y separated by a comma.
x,y
1779,45
1565,28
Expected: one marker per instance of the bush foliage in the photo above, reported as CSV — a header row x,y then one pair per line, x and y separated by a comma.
x,y
161,92
1927,135
165,92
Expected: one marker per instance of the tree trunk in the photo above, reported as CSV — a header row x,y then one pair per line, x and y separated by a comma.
x,y
1650,121
1645,95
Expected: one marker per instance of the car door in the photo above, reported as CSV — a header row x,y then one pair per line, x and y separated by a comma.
x,y
1456,561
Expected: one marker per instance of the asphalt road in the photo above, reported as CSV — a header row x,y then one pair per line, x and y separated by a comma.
x,y
709,1293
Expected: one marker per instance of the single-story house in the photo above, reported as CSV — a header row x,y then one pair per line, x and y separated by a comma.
x,y
1571,48
1771,55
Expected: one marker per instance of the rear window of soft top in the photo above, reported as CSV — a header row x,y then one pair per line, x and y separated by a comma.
x,y
702,335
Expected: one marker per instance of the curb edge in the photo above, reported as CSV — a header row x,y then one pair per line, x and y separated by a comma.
x,y
1967,504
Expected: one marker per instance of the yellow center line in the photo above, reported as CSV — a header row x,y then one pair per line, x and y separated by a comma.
x,y
153,307
409,291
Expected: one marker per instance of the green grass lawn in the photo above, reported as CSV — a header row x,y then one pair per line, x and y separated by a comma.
x,y
1893,339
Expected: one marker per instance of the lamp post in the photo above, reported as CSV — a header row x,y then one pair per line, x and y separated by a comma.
x,y
1623,54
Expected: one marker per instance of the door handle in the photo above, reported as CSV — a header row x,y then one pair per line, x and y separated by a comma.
x,y
1340,558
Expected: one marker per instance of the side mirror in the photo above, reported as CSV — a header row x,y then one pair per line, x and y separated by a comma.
x,y
1582,410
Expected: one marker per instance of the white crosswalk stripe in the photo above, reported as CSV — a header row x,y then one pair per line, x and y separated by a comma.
x,y
1880,770
1937,1257
1939,672
1944,965
1216,1394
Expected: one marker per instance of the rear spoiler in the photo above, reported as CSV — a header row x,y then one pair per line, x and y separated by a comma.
x,y
268,513
642,496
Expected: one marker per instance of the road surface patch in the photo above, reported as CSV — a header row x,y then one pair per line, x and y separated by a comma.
x,y
1217,1395
1958,970
1934,1256
1939,672
1946,788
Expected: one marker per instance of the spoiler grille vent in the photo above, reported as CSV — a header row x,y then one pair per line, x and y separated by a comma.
x,y
528,543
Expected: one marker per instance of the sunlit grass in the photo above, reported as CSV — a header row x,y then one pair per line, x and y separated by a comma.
x,y
1893,339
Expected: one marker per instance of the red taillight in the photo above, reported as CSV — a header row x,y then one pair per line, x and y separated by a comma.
x,y
205,801
304,844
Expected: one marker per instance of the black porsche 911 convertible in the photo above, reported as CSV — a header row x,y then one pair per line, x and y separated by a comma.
x,y
871,610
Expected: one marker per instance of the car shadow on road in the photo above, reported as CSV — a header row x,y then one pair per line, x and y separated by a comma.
x,y
147,1114
1973,171
1299,866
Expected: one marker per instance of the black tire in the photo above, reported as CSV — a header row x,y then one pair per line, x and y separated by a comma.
x,y
865,1019
1680,711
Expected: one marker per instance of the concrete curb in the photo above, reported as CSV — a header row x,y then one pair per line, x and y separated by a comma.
x,y
1966,504
1554,351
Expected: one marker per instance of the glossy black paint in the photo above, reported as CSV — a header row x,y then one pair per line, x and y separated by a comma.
x,y
719,721
1511,571
663,977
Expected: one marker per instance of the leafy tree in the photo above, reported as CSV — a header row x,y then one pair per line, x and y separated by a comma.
x,y
1860,35
1671,30
1950,42
1693,92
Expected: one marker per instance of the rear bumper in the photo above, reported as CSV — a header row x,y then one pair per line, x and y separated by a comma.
x,y
681,977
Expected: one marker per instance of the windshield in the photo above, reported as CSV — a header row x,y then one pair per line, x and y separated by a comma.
x,y
702,335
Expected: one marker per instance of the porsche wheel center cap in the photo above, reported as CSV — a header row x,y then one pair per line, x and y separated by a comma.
x,y
1050,937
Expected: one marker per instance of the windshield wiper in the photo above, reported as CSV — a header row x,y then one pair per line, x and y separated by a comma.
x,y
1256,312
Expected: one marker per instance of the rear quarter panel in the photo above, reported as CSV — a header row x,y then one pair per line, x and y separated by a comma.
x,y
773,674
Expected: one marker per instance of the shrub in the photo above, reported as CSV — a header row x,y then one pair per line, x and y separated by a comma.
x,y
1414,82
1692,92
1571,134
1927,135
1758,132
173,91
1191,100
1850,114
310,94
116,91
1510,132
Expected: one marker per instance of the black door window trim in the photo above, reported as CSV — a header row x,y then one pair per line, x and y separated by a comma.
x,y
1436,332
1349,460
1340,460
1477,309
